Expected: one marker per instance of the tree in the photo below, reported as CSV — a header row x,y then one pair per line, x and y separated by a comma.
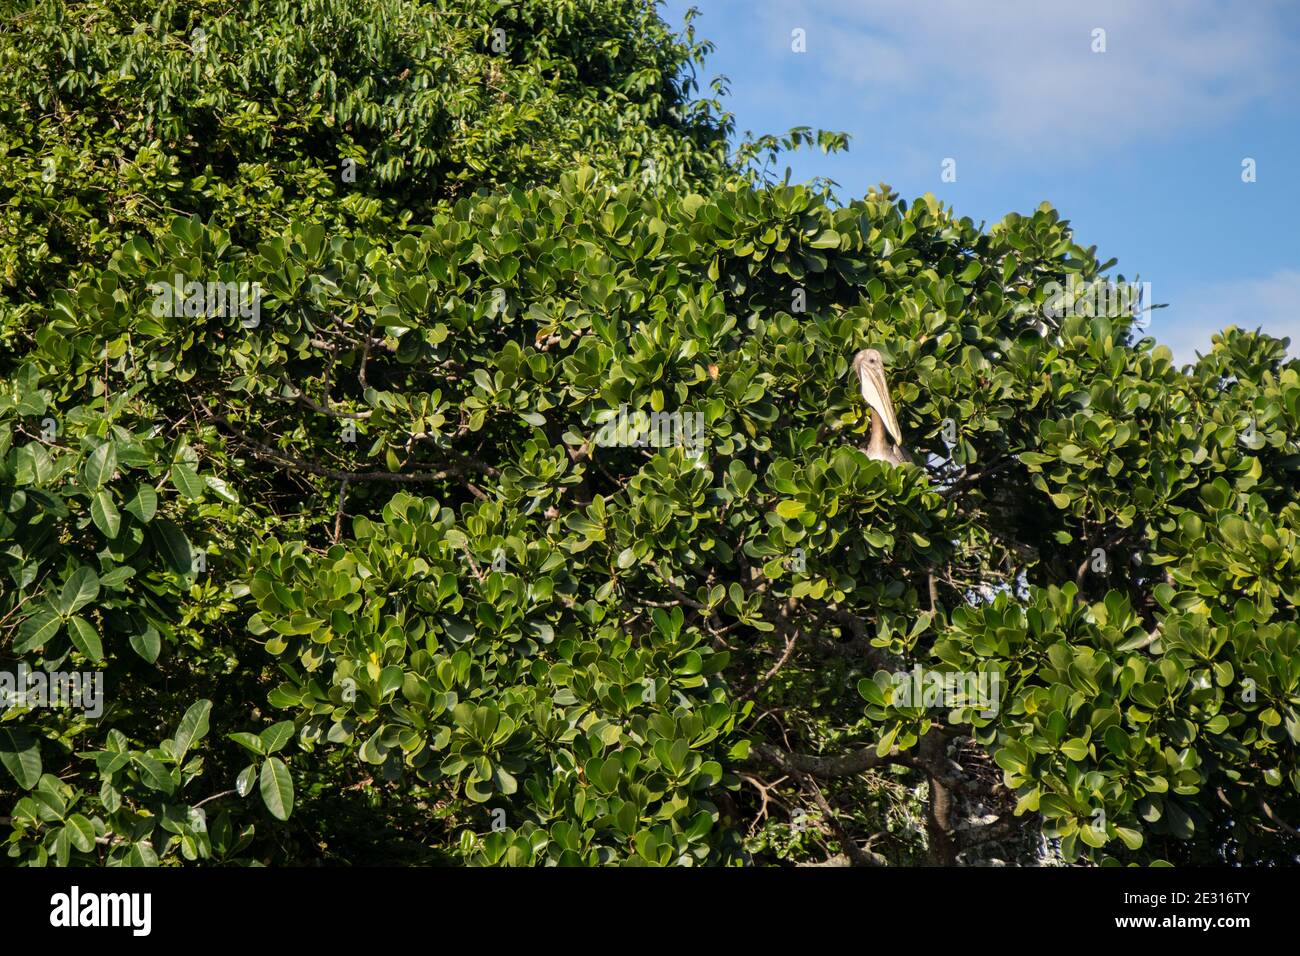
x,y
535,527
361,116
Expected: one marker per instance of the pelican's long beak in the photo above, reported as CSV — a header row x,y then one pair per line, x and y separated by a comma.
x,y
876,392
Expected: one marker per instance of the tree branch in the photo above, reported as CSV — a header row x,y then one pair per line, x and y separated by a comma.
x,y
284,459
843,765
304,398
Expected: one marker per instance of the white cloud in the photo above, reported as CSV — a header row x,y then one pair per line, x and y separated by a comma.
x,y
1272,303
1021,73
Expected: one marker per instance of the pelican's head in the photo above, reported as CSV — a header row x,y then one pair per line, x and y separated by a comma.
x,y
870,369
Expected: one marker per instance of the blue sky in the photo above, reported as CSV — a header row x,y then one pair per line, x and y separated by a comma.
x,y
1141,146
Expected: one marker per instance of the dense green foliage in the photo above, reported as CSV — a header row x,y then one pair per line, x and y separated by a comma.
x,y
251,115
436,619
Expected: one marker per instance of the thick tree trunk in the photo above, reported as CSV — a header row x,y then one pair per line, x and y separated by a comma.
x,y
939,822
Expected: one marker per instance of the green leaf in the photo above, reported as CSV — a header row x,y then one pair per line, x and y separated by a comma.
x,y
81,832
80,589
62,847
104,513
276,736
20,753
250,742
1132,838
886,742
193,726
144,504
154,775
173,546
114,580
221,489
277,788
142,854
1075,748
373,750
480,791
247,777
37,630
147,643
100,465
187,481
871,692
1092,836
85,638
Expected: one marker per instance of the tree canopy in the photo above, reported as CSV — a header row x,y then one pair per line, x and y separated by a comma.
x,y
381,560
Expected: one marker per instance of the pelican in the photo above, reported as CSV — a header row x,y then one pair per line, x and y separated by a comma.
x,y
871,376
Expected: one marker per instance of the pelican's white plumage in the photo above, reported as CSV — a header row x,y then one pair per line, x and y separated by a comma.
x,y
870,369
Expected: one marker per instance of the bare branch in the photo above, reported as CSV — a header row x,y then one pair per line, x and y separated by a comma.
x,y
285,459
301,396
843,765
